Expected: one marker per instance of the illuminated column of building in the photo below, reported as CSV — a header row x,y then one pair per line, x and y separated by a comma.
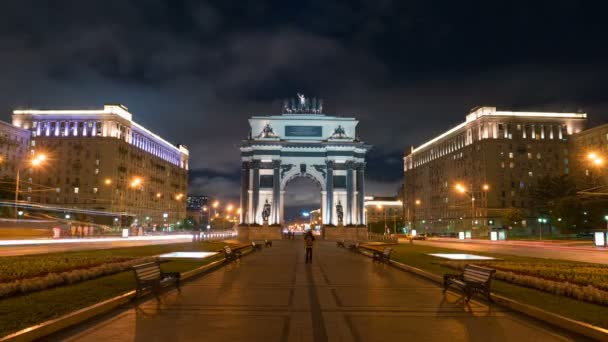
x,y
349,192
276,191
244,192
361,192
255,187
329,192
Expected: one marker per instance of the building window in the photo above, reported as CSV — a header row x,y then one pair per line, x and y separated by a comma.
x,y
530,174
529,155
95,190
511,165
75,190
96,171
538,155
511,155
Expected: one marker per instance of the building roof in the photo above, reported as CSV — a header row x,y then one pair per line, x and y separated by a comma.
x,y
112,109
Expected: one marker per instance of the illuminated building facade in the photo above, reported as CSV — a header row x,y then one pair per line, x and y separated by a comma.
x,y
14,143
589,155
470,175
102,159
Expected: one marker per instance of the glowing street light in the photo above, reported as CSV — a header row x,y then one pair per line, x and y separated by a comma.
x,y
229,208
35,162
216,204
136,182
460,188
179,196
108,181
418,202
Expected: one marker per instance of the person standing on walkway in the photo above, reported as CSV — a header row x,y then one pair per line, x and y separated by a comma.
x,y
309,241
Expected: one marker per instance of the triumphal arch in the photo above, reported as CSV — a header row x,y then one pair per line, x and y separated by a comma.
x,y
303,142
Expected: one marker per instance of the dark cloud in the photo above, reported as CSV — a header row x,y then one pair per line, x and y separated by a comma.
x,y
194,71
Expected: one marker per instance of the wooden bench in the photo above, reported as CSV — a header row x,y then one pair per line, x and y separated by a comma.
x,y
474,279
354,247
268,243
384,256
231,255
340,243
150,277
256,246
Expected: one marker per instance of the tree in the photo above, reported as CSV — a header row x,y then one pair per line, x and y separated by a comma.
x,y
549,190
512,216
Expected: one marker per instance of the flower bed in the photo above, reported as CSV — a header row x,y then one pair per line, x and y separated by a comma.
x,y
587,283
22,286
23,267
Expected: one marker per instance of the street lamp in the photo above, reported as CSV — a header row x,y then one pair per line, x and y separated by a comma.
x,y
35,162
541,220
463,190
417,203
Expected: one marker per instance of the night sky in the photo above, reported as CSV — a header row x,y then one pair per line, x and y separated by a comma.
x,y
194,71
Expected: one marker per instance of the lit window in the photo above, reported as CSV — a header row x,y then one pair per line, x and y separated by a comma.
x,y
511,164
530,174
94,190
586,172
33,143
75,190
502,165
538,155
96,171
529,155
511,155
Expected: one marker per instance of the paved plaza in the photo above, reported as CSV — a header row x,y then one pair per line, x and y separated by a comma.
x,y
273,295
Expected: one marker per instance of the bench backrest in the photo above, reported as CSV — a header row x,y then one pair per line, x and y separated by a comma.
x,y
149,271
477,274
387,251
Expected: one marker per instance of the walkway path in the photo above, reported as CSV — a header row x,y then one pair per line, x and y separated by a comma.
x,y
273,296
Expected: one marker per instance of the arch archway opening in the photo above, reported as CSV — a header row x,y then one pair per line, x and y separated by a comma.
x,y
302,199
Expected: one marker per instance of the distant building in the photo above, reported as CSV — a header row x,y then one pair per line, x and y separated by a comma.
x,y
589,156
14,148
384,212
196,202
194,208
316,219
468,176
102,159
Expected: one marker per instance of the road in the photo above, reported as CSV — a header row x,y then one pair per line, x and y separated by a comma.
x,y
272,295
538,249
42,246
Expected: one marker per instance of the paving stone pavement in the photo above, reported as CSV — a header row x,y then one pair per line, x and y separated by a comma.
x,y
272,295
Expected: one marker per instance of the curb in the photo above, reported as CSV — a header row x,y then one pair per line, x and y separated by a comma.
x,y
73,318
569,324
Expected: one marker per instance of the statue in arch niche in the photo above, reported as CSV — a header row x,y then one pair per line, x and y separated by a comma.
x,y
266,211
340,212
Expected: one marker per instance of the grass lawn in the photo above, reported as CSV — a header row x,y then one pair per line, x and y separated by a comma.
x,y
20,312
28,266
416,256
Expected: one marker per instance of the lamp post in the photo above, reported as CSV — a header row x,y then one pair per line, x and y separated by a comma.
x,y
36,161
461,189
541,220
416,204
